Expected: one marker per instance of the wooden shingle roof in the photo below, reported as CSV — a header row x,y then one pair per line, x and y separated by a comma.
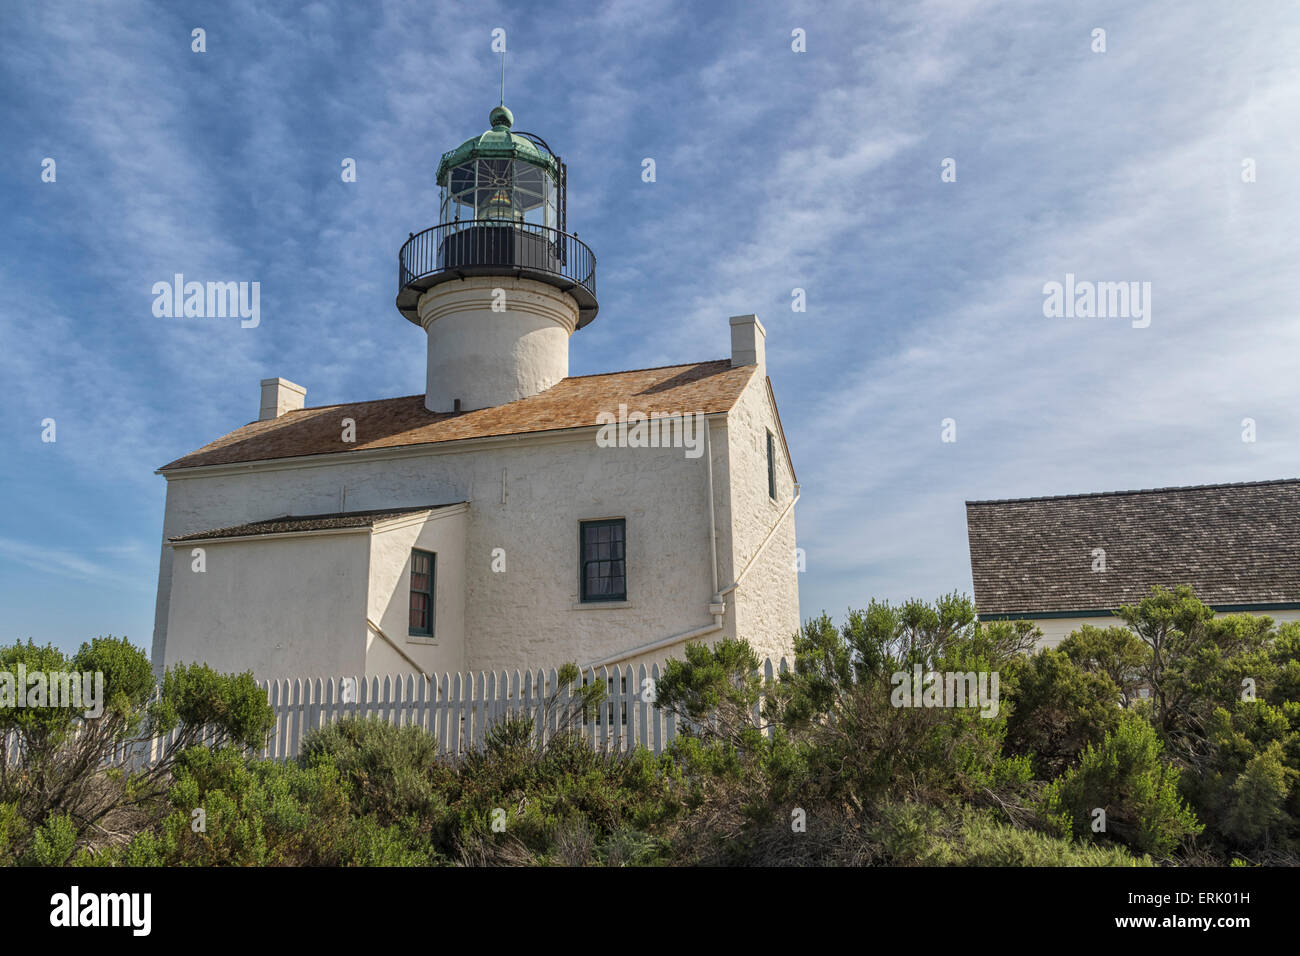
x,y
574,402
1235,544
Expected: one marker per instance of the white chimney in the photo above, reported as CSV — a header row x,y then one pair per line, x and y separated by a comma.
x,y
279,395
747,342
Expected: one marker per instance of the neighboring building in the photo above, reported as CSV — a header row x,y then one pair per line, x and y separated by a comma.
x,y
1067,561
499,520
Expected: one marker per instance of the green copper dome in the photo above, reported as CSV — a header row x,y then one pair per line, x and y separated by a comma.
x,y
497,143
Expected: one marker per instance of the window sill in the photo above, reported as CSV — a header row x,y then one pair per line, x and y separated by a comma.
x,y
595,605
420,639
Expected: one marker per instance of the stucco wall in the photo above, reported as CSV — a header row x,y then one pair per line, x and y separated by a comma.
x,y
275,606
766,605
525,616
484,357
442,533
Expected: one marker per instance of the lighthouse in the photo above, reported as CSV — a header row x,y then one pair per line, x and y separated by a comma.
x,y
620,545
499,284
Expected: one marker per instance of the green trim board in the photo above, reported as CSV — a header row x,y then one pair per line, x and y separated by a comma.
x,y
1051,615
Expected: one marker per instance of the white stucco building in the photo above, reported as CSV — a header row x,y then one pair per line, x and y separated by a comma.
x,y
512,516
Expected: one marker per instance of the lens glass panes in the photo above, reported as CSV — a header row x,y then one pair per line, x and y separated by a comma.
x,y
500,190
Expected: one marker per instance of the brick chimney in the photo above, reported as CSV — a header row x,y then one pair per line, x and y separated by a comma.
x,y
747,342
279,395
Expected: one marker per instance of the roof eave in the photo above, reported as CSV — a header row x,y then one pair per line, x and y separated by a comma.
x,y
414,449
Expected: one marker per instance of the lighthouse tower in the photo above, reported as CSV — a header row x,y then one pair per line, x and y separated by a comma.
x,y
498,285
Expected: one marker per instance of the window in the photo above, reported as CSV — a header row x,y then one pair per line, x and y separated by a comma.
x,y
603,570
422,578
771,466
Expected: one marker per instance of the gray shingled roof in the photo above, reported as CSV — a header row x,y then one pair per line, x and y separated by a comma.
x,y
289,524
1236,544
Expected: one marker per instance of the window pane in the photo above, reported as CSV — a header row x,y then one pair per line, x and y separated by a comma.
x,y
420,611
603,571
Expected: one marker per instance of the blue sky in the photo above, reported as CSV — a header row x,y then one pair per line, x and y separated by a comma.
x,y
775,170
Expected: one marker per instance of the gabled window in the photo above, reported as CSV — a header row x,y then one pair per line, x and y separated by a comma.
x,y
423,573
603,566
771,466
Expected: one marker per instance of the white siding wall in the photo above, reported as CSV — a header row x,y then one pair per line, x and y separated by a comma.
x,y
1057,629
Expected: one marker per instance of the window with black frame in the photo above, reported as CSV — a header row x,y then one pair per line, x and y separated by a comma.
x,y
603,570
422,588
771,466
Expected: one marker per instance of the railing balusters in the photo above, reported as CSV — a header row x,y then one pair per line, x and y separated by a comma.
x,y
493,243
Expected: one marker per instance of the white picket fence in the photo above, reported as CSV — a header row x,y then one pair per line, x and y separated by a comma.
x,y
457,709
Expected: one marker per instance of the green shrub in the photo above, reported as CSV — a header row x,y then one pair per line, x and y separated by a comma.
x,y
392,772
229,810
53,842
838,703
1126,777
12,831
63,752
1058,709
1116,653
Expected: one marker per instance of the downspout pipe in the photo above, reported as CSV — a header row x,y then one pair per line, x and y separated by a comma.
x,y
717,606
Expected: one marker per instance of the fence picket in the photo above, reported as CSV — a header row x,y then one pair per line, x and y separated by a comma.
x,y
562,699
456,716
315,699
456,709
480,708
296,697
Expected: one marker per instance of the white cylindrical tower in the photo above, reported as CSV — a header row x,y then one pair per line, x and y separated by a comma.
x,y
498,285
494,340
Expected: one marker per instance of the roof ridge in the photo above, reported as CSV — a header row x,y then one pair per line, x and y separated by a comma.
x,y
1135,491
652,368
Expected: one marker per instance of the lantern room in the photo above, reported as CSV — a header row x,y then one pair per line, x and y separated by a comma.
x,y
501,213
501,176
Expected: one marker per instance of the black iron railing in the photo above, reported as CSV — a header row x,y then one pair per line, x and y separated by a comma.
x,y
492,247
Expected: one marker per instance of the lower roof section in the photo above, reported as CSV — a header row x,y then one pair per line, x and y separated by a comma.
x,y
302,524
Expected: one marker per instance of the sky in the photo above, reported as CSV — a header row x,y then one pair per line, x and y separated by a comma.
x,y
921,171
